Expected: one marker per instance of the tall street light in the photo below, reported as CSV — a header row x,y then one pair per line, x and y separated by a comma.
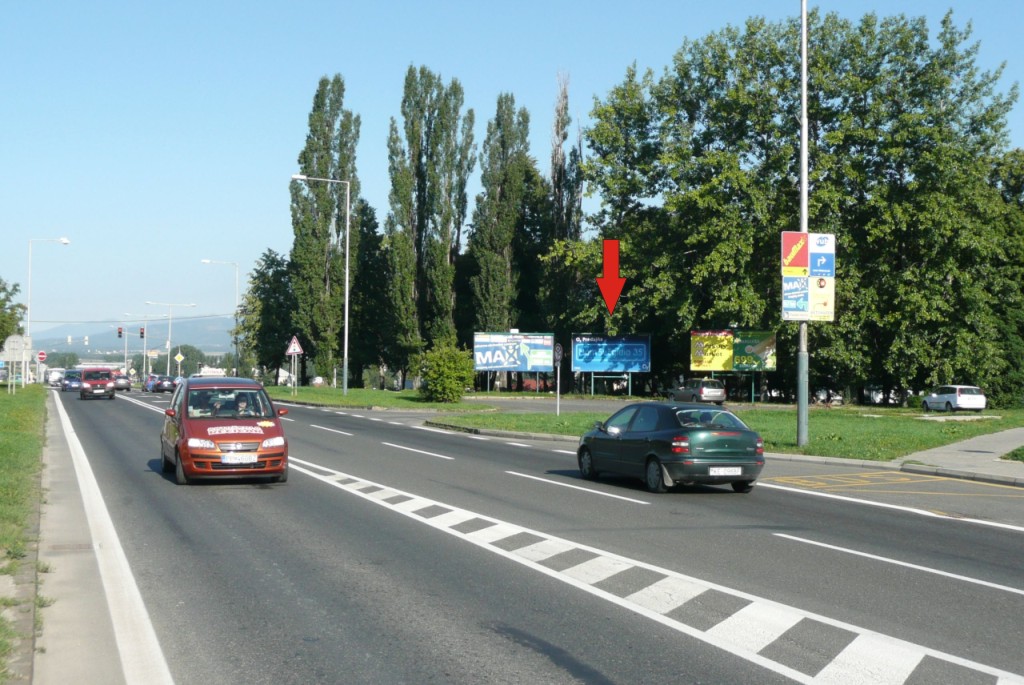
x,y
28,301
234,333
348,188
170,320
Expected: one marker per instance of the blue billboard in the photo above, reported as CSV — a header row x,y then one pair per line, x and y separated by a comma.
x,y
513,351
611,353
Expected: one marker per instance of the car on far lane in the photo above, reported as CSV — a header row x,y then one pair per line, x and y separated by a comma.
x,y
72,380
122,382
97,383
699,390
160,384
953,398
223,428
668,443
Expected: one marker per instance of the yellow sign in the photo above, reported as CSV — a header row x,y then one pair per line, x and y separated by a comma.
x,y
711,350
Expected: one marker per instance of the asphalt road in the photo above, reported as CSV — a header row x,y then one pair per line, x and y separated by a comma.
x,y
398,554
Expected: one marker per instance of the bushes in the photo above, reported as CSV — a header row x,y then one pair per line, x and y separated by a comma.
x,y
447,371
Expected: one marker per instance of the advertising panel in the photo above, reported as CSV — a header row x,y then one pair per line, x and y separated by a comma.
x,y
711,350
513,351
808,276
753,351
608,353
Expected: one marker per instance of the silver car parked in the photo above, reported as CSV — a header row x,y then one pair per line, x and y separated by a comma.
x,y
699,390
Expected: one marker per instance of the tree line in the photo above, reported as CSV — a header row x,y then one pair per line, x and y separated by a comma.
x,y
695,170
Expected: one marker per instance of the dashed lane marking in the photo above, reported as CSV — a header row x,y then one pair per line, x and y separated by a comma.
x,y
805,647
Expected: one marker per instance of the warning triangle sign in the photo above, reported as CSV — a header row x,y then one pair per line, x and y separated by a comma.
x,y
294,347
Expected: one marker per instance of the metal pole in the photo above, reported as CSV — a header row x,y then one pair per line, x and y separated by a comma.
x,y
170,320
344,371
803,355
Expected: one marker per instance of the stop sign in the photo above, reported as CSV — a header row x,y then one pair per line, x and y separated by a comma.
x,y
41,356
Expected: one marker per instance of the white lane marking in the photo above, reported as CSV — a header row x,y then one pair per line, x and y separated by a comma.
x,y
895,507
905,564
516,444
891,655
576,487
754,627
410,449
341,413
142,659
478,437
565,452
432,430
375,419
332,430
358,416
285,418
396,423
142,404
871,659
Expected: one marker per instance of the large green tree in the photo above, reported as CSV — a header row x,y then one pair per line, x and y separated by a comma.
x,y
265,319
318,221
697,173
11,312
430,160
504,162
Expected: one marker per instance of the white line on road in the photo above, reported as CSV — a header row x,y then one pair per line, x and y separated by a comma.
x,y
332,430
517,444
565,452
904,564
410,449
432,430
577,487
896,507
142,659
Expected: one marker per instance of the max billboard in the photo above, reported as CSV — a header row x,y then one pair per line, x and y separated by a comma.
x,y
513,351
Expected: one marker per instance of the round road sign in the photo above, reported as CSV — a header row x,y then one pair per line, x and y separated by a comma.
x,y
41,356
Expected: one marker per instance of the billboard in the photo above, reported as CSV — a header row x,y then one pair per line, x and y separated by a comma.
x,y
513,351
732,350
753,351
711,350
611,353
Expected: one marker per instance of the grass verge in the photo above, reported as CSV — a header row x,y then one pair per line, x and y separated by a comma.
x,y
877,434
362,398
22,432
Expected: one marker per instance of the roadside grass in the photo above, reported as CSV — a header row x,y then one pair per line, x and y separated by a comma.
x,y
362,398
22,425
1016,455
869,433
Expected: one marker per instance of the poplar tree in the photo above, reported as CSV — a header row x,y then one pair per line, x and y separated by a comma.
x,y
265,320
430,167
318,221
504,162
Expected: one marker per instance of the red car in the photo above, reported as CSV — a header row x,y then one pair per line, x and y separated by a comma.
x,y
223,428
97,383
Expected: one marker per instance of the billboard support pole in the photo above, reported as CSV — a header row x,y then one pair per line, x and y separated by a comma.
x,y
803,355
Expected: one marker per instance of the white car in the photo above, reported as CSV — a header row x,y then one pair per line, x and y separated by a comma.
x,y
954,397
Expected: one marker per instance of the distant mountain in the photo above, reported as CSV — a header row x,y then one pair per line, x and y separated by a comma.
x,y
212,335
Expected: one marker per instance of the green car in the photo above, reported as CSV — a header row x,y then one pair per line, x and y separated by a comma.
x,y
668,443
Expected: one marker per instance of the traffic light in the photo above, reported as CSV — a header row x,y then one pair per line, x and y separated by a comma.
x,y
142,332
87,341
120,332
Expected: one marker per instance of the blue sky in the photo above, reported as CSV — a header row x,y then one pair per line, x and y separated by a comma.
x,y
155,135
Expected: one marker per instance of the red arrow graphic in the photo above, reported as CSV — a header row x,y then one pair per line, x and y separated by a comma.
x,y
611,283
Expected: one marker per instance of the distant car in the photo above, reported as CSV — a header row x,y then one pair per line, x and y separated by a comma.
x,y
223,428
699,390
97,383
159,384
667,443
72,380
954,398
122,382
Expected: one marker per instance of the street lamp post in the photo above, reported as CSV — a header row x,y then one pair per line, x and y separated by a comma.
x,y
348,188
28,300
234,333
170,320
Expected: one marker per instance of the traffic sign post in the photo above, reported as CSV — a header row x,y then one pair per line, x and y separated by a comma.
x,y
558,379
293,351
